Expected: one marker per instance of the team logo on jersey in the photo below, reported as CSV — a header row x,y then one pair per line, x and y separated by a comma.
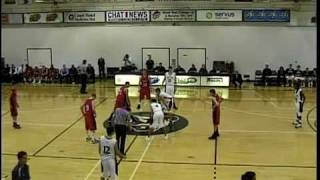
x,y
142,121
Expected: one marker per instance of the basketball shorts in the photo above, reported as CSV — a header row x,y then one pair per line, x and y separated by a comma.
x,y
170,90
158,120
216,117
90,123
299,108
109,168
14,112
145,92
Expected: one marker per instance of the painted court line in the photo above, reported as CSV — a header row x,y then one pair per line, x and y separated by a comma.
x,y
280,132
140,160
91,171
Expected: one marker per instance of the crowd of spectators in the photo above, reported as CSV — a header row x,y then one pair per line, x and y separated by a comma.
x,y
43,74
282,77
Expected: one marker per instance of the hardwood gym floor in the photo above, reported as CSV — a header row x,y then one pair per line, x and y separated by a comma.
x,y
256,134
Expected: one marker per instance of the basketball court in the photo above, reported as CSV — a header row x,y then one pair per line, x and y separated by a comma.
x,y
256,134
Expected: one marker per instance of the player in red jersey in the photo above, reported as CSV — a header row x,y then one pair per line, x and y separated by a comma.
x,y
216,101
89,113
14,107
144,87
122,100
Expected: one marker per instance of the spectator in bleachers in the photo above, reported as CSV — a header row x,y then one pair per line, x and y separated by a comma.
x,y
192,69
44,74
281,77
179,70
6,73
28,75
290,75
64,74
36,75
203,70
91,73
237,79
51,74
160,69
308,75
73,72
315,77
13,73
20,72
134,68
265,73
150,63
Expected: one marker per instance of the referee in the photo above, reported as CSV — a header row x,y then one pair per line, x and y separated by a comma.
x,y
83,76
121,121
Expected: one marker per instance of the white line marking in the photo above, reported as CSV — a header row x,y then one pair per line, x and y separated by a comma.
x,y
140,160
280,132
89,174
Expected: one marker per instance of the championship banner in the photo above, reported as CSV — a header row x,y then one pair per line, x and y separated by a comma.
x,y
11,19
43,18
127,16
187,80
215,81
87,17
173,15
219,15
267,15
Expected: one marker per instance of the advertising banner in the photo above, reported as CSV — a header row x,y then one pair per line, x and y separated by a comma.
x,y
219,15
42,18
187,80
11,18
127,16
173,15
267,15
87,17
215,81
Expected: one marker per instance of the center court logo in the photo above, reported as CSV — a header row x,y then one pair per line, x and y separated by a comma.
x,y
141,123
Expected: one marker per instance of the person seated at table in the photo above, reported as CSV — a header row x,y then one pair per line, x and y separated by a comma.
x,y
265,74
91,73
28,74
192,70
203,70
51,74
73,72
127,60
308,75
237,79
150,63
160,69
213,71
290,75
44,71
281,78
179,70
64,74
298,75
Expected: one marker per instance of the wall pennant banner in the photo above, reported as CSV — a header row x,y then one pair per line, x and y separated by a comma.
x,y
127,16
267,15
43,18
79,17
11,18
219,15
173,15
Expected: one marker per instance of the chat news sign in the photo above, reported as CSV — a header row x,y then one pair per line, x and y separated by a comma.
x,y
173,15
187,80
219,15
215,81
86,17
266,15
127,16
11,18
43,18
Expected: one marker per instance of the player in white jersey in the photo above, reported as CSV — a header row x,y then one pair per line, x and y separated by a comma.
x,y
157,117
300,99
170,80
108,150
165,99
